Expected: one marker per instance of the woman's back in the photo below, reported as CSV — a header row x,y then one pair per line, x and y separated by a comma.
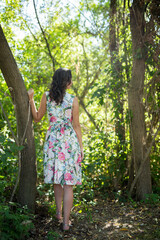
x,y
62,154
62,113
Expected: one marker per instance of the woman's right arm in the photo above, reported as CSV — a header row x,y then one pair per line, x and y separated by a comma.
x,y
76,124
37,115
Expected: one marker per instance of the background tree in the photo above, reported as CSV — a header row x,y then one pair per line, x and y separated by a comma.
x,y
27,161
136,87
116,92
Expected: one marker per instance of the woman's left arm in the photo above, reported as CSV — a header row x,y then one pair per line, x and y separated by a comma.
x,y
37,115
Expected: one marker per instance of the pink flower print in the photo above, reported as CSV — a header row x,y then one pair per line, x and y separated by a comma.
x,y
66,145
61,156
69,150
49,167
79,158
53,119
67,177
50,144
68,113
62,130
49,128
78,183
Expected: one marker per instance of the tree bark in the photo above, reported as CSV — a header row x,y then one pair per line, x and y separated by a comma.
x,y
117,74
116,88
135,98
13,78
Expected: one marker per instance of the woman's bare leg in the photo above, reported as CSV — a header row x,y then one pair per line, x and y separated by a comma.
x,y
67,205
58,193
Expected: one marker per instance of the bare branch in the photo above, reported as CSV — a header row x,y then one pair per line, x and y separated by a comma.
x,y
89,115
30,30
86,61
6,94
44,35
9,125
86,88
84,107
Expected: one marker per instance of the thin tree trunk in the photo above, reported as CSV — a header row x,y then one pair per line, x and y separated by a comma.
x,y
135,98
13,78
117,73
117,88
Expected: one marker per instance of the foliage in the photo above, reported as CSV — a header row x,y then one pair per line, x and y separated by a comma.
x,y
8,164
152,199
52,235
15,222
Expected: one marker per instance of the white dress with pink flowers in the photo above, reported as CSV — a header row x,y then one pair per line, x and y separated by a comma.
x,y
62,155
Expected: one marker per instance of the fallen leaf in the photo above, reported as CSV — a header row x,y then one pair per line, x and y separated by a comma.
x,y
123,229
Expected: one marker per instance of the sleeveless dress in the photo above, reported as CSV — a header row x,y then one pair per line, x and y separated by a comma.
x,y
62,154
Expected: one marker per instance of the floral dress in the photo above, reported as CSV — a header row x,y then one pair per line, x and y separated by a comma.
x,y
62,155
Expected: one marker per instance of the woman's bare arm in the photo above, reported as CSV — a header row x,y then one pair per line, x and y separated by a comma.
x,y
37,115
76,124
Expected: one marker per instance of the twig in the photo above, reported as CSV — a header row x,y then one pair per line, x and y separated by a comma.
x,y
84,107
19,154
92,82
6,94
44,35
86,61
23,138
18,177
9,125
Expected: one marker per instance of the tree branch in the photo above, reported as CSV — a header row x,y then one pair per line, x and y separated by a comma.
x,y
91,83
9,125
84,107
44,35
86,60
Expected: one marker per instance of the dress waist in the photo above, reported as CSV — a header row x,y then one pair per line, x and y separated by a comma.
x,y
60,124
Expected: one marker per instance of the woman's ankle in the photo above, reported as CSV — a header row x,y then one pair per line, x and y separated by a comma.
x,y
59,215
65,226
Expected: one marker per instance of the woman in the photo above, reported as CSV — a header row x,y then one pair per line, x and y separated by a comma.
x,y
63,150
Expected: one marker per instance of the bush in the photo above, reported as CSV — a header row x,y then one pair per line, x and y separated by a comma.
x,y
15,222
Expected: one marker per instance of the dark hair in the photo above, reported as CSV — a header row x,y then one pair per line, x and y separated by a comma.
x,y
61,79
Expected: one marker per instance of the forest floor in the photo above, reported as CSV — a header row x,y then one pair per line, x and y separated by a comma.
x,y
106,220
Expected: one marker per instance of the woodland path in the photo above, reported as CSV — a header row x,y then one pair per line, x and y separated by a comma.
x,y
107,220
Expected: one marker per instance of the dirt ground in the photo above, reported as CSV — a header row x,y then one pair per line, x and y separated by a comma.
x,y
107,220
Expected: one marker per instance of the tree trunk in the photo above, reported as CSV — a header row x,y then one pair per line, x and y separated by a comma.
x,y
135,98
13,78
117,74
116,88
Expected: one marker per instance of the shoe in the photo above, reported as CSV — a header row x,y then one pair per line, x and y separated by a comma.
x,y
63,225
58,216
